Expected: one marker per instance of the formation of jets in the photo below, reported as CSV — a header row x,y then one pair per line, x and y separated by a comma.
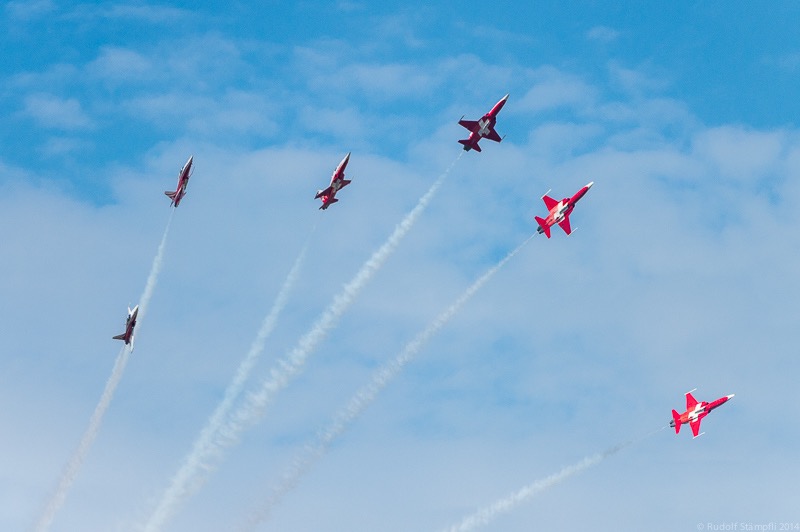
x,y
558,214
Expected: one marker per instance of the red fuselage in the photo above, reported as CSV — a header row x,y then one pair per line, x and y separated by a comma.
x,y
483,128
338,182
130,324
695,412
559,211
183,181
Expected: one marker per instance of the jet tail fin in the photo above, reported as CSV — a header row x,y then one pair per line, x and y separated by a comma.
x,y
469,146
543,227
119,337
677,420
326,204
170,194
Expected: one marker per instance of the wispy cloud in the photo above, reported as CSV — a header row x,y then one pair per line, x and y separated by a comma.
x,y
118,65
29,10
367,394
554,89
738,153
602,34
54,112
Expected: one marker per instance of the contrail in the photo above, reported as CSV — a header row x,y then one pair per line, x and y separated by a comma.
x,y
366,396
155,269
279,377
78,457
485,515
179,487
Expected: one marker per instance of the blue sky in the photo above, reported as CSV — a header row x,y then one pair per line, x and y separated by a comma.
x,y
681,273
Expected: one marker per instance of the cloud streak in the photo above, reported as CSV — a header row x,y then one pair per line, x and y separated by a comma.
x,y
280,376
180,488
366,395
79,456
485,515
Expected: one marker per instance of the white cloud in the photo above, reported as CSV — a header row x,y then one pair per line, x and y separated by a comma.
x,y
149,13
29,9
643,80
53,112
739,154
118,65
554,89
602,34
60,146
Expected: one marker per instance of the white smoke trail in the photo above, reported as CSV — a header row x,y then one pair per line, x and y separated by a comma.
x,y
483,516
279,377
179,487
366,396
75,462
78,457
155,269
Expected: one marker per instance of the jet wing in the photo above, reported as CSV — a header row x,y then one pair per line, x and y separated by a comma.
x,y
695,425
472,125
691,402
493,135
549,202
564,224
326,192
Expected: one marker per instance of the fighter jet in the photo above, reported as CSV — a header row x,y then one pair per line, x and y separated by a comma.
x,y
695,412
337,182
183,180
127,336
559,211
483,128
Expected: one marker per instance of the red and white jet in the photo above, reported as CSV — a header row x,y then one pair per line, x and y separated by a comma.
x,y
127,336
338,182
183,180
483,128
695,412
559,211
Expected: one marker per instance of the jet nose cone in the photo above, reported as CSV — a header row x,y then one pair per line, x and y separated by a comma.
x,y
590,184
505,98
731,396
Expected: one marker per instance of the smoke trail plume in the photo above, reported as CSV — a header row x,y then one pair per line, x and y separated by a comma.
x,y
155,269
179,486
485,515
366,396
78,457
76,461
279,377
